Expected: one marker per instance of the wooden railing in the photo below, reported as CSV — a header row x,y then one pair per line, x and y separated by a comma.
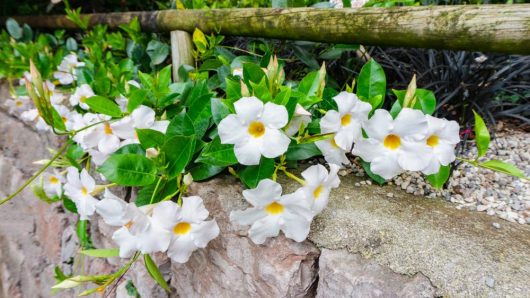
x,y
495,28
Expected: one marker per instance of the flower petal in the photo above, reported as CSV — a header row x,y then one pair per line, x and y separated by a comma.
x,y
330,122
247,216
126,241
166,214
411,124
87,181
274,116
248,109
181,249
263,229
231,130
193,209
143,117
248,153
265,193
205,232
386,166
275,143
295,227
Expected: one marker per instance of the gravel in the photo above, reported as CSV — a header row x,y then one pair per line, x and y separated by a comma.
x,y
478,189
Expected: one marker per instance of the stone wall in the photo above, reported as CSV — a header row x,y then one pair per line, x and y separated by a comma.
x,y
364,244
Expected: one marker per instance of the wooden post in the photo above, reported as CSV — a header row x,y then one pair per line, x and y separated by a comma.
x,y
181,51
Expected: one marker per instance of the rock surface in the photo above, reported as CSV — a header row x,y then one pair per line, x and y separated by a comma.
x,y
365,244
342,274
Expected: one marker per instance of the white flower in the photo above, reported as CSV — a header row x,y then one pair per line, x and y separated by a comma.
x,y
151,153
333,154
81,94
188,225
142,117
34,116
52,184
55,96
107,136
255,130
122,102
78,121
272,212
394,145
78,188
346,123
137,232
300,120
318,184
442,137
17,105
66,70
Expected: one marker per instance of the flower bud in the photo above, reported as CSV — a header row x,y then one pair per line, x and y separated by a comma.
x,y
151,153
188,179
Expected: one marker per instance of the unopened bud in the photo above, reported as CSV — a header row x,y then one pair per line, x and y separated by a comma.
x,y
151,153
188,179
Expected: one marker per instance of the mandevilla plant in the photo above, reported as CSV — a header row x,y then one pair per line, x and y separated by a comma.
x,y
125,119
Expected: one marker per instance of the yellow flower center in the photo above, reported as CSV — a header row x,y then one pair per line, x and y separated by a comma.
x,y
256,129
19,103
64,119
107,128
433,141
129,224
54,180
84,191
345,120
182,228
82,99
274,208
317,191
392,142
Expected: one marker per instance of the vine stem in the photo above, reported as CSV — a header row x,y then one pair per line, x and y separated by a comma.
x,y
155,190
293,176
61,150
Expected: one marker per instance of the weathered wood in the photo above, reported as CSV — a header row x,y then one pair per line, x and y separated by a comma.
x,y
181,51
497,28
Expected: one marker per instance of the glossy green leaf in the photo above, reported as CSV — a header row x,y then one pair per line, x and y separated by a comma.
x,y
438,180
204,171
503,167
150,138
219,110
101,253
180,125
157,51
103,105
371,81
252,175
302,151
129,170
252,73
13,28
218,154
178,151
153,270
482,135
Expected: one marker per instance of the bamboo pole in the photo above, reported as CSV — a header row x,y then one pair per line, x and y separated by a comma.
x,y
495,28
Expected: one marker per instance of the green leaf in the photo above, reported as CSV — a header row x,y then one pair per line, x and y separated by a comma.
x,y
378,179
131,148
157,51
152,268
200,40
178,151
301,151
219,110
371,82
287,3
82,234
103,105
13,28
200,113
204,171
426,101
129,170
261,90
166,188
101,253
503,167
438,180
136,98
233,89
336,51
482,135
252,73
252,175
71,44
69,205
180,125
150,138
218,154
